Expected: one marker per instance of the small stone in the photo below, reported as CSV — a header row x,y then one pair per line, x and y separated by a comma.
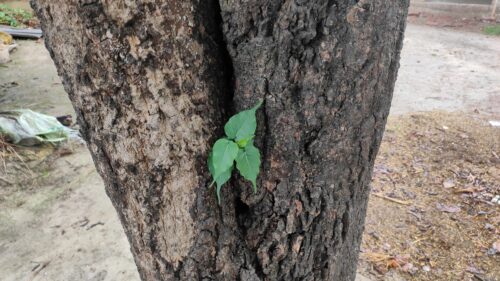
x,y
449,183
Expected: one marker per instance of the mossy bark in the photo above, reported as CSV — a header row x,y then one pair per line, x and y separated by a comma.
x,y
153,82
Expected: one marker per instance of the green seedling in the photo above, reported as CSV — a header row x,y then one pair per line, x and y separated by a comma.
x,y
237,146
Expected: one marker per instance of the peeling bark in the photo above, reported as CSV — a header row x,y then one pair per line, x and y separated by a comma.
x,y
152,83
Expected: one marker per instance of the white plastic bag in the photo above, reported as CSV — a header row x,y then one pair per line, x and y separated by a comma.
x,y
28,128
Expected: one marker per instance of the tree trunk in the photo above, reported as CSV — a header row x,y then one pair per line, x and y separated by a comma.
x,y
153,82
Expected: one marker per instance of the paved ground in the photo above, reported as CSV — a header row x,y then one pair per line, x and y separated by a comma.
x,y
69,230
448,70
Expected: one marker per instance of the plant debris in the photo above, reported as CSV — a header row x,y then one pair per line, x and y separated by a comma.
x,y
450,230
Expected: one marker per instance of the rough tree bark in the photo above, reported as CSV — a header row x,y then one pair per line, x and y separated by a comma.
x,y
152,83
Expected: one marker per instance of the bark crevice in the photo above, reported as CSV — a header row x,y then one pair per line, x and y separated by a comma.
x,y
227,105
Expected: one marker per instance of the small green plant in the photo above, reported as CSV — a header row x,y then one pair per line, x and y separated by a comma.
x,y
237,146
14,17
492,30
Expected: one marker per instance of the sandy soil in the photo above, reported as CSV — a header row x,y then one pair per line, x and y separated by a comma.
x,y
56,222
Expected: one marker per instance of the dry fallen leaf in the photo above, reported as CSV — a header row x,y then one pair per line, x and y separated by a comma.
x,y
447,209
473,269
393,263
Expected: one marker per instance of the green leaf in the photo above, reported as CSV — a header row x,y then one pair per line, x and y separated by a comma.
x,y
211,163
248,163
221,180
222,157
223,177
240,130
242,125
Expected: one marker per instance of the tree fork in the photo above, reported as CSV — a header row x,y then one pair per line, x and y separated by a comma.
x,y
152,82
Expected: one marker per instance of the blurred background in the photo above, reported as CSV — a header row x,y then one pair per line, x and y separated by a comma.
x,y
434,212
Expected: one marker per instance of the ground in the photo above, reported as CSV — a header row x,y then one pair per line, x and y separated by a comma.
x,y
431,214
429,218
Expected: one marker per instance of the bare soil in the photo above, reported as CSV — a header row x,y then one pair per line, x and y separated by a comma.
x,y
56,222
431,215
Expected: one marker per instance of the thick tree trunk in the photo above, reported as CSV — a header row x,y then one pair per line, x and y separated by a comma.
x,y
153,82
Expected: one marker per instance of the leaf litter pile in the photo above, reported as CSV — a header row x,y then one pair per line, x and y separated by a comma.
x,y
434,212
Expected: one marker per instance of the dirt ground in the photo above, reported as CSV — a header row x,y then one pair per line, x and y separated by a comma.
x,y
430,214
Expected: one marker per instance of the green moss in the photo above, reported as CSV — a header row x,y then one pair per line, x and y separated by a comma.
x,y
492,30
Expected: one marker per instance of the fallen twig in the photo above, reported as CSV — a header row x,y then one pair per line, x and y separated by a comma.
x,y
94,225
37,269
406,203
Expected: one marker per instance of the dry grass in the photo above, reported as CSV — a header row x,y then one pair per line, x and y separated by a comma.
x,y
22,167
7,153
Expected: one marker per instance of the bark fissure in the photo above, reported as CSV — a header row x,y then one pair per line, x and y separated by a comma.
x,y
227,63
